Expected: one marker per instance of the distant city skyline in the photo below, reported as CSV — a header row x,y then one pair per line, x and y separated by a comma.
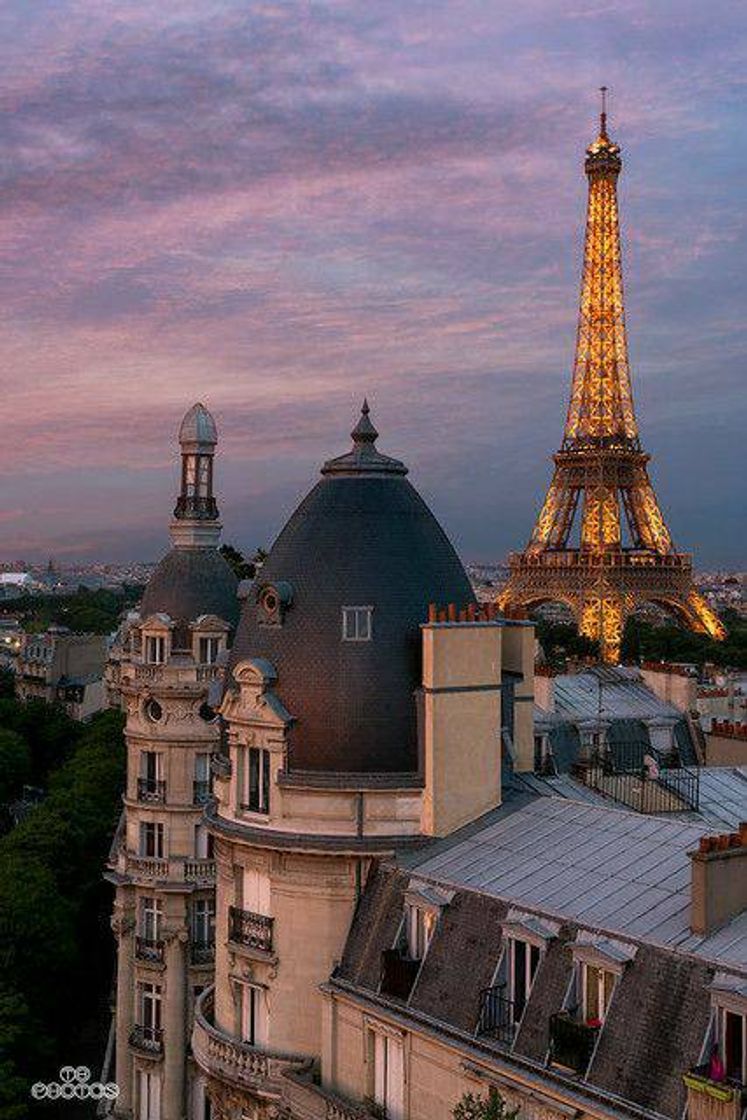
x,y
280,208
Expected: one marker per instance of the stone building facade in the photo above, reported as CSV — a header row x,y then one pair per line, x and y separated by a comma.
x,y
398,920
171,656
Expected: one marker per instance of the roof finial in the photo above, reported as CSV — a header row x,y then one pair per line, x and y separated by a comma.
x,y
364,431
603,114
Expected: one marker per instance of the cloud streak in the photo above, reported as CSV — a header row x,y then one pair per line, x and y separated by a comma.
x,y
278,207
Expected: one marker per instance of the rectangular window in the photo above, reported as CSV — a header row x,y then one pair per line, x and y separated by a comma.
x,y
149,1007
255,891
151,840
257,780
204,843
419,925
149,1104
252,1014
598,984
734,1045
203,921
387,1076
155,649
208,650
151,766
357,624
151,913
524,960
201,787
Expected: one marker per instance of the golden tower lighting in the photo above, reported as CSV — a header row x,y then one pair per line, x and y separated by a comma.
x,y
601,466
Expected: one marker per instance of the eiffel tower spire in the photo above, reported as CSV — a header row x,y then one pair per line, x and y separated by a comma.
x,y
625,555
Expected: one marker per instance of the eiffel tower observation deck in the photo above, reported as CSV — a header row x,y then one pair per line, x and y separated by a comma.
x,y
621,554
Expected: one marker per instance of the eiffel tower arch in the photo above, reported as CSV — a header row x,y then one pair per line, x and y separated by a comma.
x,y
601,479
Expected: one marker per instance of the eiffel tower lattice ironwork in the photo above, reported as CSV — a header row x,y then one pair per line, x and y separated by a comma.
x,y
601,466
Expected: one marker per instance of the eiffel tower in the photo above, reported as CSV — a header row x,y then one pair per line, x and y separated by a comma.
x,y
601,466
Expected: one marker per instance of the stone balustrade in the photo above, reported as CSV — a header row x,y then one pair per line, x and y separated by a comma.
x,y
151,869
234,1062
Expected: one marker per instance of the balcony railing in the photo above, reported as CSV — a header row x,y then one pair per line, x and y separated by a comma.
x,y
571,1041
249,929
202,952
397,974
151,789
227,1059
637,775
148,949
149,1040
148,867
497,1014
712,1100
199,870
200,792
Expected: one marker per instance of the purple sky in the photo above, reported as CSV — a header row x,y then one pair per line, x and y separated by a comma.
x,y
279,207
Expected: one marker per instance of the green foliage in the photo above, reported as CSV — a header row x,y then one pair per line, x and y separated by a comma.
x,y
243,568
560,640
15,1034
15,765
53,906
643,641
46,728
7,684
492,1107
85,611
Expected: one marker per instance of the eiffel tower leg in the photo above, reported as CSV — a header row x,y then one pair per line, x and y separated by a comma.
x,y
702,619
602,618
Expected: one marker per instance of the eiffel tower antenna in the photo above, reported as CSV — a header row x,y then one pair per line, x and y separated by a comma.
x,y
601,466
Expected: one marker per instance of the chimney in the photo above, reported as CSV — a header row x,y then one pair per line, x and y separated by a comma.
x,y
718,890
544,688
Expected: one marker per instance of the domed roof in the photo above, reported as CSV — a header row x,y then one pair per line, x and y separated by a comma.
x,y
364,538
189,582
198,427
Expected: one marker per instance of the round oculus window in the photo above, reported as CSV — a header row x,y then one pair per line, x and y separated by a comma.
x,y
153,711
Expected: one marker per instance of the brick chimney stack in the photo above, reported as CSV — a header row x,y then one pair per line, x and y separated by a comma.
x,y
718,880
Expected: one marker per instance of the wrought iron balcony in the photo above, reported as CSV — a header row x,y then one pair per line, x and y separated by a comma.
x,y
149,949
397,974
151,789
571,1041
249,929
202,952
200,792
497,1014
149,1040
712,1100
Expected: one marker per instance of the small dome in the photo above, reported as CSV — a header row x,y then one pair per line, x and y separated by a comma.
x,y
362,538
198,427
189,582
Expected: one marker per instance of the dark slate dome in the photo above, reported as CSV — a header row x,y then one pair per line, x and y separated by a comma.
x,y
189,582
363,537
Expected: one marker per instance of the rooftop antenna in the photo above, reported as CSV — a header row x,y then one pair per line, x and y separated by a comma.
x,y
603,117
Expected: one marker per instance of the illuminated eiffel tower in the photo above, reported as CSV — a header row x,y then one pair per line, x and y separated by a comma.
x,y
601,465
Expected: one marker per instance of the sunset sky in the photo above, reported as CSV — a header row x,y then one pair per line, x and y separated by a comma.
x,y
277,208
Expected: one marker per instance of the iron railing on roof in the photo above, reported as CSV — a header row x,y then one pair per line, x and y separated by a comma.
x,y
571,1041
637,775
497,1014
398,973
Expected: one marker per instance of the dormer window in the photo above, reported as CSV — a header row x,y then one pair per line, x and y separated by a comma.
x,y
155,649
597,987
419,926
357,624
208,650
524,959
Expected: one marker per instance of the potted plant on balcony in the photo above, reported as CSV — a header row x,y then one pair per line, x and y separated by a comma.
x,y
492,1107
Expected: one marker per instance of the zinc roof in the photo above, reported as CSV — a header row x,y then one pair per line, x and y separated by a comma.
x,y
607,869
